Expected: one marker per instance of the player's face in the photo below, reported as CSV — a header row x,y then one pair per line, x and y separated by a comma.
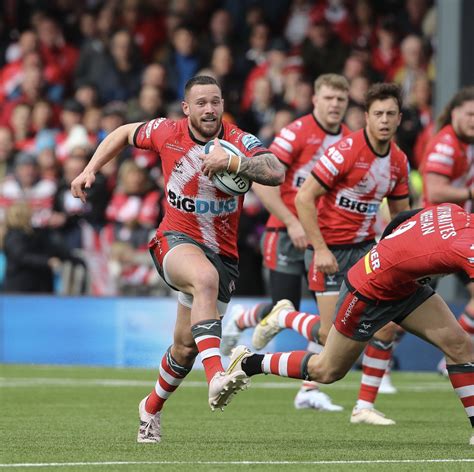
x,y
463,121
204,107
330,105
383,119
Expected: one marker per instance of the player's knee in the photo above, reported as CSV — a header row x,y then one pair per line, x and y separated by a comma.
x,y
208,281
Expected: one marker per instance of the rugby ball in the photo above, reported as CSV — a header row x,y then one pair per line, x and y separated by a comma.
x,y
229,182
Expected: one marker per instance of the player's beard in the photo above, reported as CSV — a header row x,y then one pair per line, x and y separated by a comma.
x,y
205,129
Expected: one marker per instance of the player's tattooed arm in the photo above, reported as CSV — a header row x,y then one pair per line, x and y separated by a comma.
x,y
265,169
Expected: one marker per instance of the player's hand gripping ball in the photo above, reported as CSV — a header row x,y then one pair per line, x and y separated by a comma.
x,y
229,182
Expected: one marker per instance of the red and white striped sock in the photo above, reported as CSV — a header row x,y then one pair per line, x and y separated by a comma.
x,y
462,380
250,317
287,364
466,320
374,363
303,323
207,335
170,376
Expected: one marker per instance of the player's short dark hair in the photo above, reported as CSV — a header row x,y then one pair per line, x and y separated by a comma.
x,y
383,91
200,80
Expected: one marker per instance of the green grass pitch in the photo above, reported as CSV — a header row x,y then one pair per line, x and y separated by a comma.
x,y
81,419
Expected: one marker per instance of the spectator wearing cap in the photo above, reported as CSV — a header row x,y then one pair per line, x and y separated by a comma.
x,y
71,115
273,69
26,184
322,51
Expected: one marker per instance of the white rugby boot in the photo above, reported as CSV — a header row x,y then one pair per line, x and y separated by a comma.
x,y
231,332
386,385
268,328
316,400
370,416
224,385
471,442
150,427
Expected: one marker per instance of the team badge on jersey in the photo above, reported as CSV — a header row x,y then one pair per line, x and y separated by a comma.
x,y
250,141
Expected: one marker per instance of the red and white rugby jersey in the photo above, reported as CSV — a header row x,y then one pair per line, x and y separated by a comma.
x,y
299,145
357,180
447,155
194,206
437,240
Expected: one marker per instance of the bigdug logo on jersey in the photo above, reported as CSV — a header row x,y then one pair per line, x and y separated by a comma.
x,y
202,206
357,206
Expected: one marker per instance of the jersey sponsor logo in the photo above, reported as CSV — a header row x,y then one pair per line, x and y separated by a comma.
x,y
201,206
329,165
371,261
440,158
283,144
444,149
356,206
335,155
346,144
287,134
250,141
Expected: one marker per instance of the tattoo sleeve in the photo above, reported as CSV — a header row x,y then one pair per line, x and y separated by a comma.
x,y
264,169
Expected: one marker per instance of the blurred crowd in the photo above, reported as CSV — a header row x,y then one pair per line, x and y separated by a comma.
x,y
71,72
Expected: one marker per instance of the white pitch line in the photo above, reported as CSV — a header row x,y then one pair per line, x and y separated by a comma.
x,y
58,382
349,462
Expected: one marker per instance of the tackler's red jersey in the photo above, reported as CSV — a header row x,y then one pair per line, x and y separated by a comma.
x,y
357,180
298,146
194,205
437,240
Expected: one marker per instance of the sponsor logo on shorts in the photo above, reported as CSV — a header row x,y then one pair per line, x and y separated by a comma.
x,y
349,309
201,206
331,280
250,141
356,206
